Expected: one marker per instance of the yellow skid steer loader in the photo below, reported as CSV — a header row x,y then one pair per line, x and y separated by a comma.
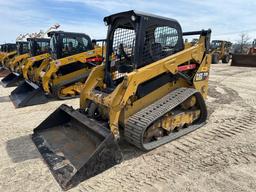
x,y
35,44
60,74
8,53
38,49
13,78
149,91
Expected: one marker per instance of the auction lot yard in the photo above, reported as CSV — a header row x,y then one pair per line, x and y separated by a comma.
x,y
221,156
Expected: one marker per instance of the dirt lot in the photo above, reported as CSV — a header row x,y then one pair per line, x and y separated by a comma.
x,y
221,156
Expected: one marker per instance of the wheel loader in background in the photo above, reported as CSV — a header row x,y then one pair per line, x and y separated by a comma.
x,y
150,90
245,60
60,75
220,51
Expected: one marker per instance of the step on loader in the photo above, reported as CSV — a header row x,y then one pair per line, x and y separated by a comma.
x,y
62,73
149,91
245,60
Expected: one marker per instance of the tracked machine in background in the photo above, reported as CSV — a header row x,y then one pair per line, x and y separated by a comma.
x,y
22,51
61,73
149,91
245,60
13,78
221,51
7,54
36,45
38,50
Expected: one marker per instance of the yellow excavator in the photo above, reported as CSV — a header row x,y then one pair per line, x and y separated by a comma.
x,y
61,73
149,91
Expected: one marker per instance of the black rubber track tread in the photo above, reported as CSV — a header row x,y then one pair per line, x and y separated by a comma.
x,y
139,122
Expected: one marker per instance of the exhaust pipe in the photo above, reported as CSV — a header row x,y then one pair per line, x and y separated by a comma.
x,y
75,147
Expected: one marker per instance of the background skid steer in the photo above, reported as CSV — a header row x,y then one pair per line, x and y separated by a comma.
x,y
150,88
245,60
8,52
38,51
65,67
65,77
37,45
13,78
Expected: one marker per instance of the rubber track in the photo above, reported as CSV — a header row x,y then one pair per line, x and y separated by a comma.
x,y
139,122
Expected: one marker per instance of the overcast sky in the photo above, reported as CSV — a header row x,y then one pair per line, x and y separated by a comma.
x,y
227,19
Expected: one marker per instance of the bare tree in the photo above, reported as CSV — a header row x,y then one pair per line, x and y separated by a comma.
x,y
243,42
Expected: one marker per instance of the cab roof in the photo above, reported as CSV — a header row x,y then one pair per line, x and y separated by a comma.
x,y
51,33
38,39
135,13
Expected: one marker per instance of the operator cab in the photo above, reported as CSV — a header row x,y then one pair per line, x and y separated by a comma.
x,y
64,44
254,43
216,44
136,39
9,47
22,47
38,46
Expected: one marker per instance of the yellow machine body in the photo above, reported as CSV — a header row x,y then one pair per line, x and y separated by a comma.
x,y
7,58
120,104
17,62
150,89
49,78
27,68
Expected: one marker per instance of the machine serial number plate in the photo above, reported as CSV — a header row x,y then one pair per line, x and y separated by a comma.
x,y
202,76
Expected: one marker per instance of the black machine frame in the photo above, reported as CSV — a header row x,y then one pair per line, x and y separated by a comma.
x,y
58,36
140,22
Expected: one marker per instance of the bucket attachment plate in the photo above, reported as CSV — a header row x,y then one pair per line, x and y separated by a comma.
x,y
243,60
75,147
27,94
11,80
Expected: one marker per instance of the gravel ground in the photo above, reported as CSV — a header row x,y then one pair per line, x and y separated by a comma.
x,y
221,156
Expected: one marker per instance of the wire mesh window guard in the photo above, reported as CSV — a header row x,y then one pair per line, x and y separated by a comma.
x,y
123,51
160,41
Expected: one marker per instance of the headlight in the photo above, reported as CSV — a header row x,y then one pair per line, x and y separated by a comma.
x,y
133,18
